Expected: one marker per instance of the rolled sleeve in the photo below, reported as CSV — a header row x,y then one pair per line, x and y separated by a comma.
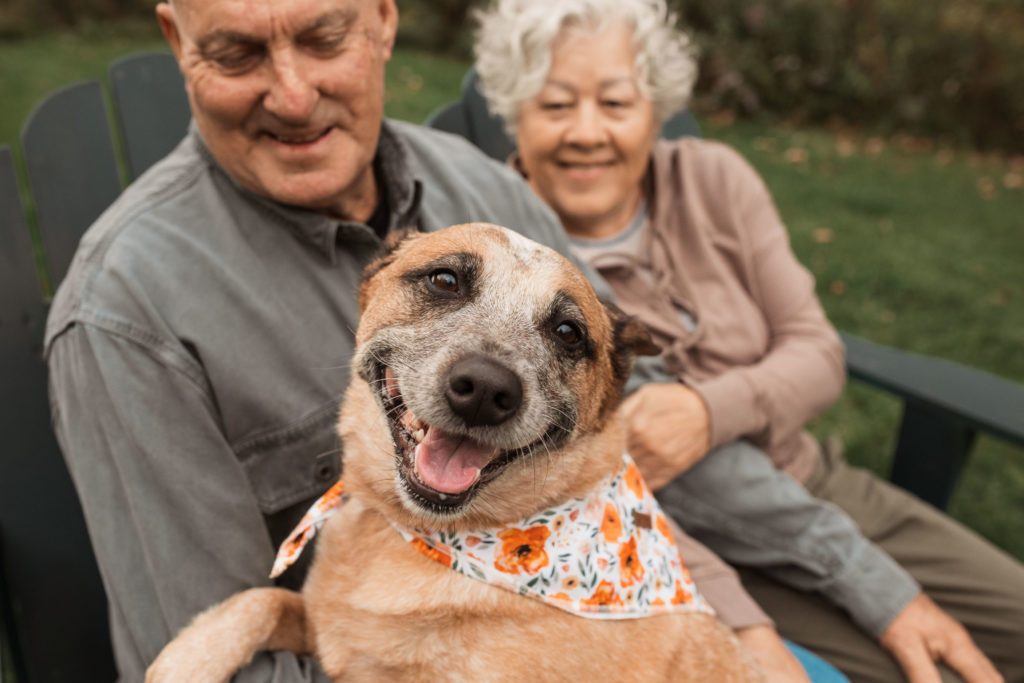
x,y
750,514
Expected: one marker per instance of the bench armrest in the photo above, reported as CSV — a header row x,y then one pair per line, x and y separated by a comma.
x,y
944,406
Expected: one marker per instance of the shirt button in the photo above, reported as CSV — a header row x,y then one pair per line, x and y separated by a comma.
x,y
324,471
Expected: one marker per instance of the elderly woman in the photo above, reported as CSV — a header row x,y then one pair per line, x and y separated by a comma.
x,y
687,235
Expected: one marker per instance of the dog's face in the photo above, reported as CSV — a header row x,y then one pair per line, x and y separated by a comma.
x,y
487,370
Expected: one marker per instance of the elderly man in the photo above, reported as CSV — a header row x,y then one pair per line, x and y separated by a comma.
x,y
200,342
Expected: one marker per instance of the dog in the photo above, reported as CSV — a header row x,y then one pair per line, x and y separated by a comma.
x,y
485,383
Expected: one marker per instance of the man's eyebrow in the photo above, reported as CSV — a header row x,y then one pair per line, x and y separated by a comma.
x,y
341,19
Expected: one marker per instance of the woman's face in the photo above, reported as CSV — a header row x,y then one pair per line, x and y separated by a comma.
x,y
585,139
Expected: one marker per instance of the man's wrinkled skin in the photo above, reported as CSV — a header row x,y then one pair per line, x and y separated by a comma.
x,y
290,98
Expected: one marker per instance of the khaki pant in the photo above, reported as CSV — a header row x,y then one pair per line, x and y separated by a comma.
x,y
975,582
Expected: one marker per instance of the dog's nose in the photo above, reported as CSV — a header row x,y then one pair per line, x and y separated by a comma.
x,y
482,391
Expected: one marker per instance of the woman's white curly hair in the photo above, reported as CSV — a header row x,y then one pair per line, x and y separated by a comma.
x,y
514,38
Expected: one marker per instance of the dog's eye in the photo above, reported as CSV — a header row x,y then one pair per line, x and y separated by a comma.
x,y
569,333
444,280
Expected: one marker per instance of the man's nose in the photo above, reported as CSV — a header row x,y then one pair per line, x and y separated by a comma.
x,y
292,95
586,126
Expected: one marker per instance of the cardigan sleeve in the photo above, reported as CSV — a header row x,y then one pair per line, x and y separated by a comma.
x,y
802,371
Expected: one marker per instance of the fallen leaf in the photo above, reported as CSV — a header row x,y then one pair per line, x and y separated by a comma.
x,y
796,155
986,188
823,235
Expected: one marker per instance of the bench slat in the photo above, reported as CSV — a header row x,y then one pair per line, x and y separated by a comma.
x,y
51,591
151,106
69,156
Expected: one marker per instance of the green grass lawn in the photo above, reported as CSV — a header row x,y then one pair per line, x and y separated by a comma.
x,y
919,248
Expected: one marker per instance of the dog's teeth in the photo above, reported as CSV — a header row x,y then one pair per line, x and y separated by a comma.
x,y
419,434
442,496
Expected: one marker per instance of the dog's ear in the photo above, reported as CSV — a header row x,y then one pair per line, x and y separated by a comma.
x,y
384,257
630,338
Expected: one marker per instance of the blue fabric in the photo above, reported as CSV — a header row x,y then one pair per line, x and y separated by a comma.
x,y
818,670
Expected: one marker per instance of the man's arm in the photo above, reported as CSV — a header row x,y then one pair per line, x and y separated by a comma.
x,y
751,514
171,515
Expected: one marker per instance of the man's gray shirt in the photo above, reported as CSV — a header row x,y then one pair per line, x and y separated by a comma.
x,y
198,349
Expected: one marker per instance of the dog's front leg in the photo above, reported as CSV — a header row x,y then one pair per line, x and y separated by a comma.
x,y
224,638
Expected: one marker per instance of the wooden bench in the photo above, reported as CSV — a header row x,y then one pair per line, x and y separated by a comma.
x,y
52,606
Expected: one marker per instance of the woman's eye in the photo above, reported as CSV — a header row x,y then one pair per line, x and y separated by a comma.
x,y
444,280
617,104
568,333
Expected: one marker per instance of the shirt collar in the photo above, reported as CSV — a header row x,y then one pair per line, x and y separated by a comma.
x,y
399,187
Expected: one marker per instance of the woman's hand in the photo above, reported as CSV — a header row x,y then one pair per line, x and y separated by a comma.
x,y
667,427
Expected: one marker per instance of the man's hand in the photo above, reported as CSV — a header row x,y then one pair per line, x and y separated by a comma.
x,y
667,428
922,634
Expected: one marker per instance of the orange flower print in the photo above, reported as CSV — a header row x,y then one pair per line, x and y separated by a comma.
x,y
522,550
559,596
662,523
631,569
633,480
682,595
433,553
611,524
604,594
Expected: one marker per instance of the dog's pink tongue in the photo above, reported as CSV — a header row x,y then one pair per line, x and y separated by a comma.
x,y
448,463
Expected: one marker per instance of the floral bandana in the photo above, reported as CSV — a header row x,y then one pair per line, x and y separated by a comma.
x,y
325,506
609,555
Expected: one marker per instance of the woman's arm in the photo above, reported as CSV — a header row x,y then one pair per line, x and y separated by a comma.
x,y
802,370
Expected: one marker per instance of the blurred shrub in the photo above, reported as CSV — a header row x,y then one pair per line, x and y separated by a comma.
x,y
947,69
19,18
441,26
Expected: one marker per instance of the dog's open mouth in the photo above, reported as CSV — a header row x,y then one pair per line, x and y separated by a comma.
x,y
441,471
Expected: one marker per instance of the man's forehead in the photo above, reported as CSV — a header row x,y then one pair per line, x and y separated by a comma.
x,y
259,17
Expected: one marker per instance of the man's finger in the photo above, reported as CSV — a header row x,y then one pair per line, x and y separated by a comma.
x,y
916,662
967,660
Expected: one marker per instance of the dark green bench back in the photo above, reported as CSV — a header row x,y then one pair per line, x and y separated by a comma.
x,y
53,609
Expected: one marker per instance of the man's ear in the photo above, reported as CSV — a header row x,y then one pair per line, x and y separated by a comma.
x,y
389,26
168,21
630,338
385,257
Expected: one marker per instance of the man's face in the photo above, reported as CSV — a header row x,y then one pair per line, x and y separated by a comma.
x,y
289,94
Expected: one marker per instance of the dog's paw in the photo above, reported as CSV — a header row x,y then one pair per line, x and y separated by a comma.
x,y
191,658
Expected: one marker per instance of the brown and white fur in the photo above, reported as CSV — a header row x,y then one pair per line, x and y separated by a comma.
x,y
472,303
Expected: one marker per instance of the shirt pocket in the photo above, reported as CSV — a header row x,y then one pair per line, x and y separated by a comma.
x,y
293,463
